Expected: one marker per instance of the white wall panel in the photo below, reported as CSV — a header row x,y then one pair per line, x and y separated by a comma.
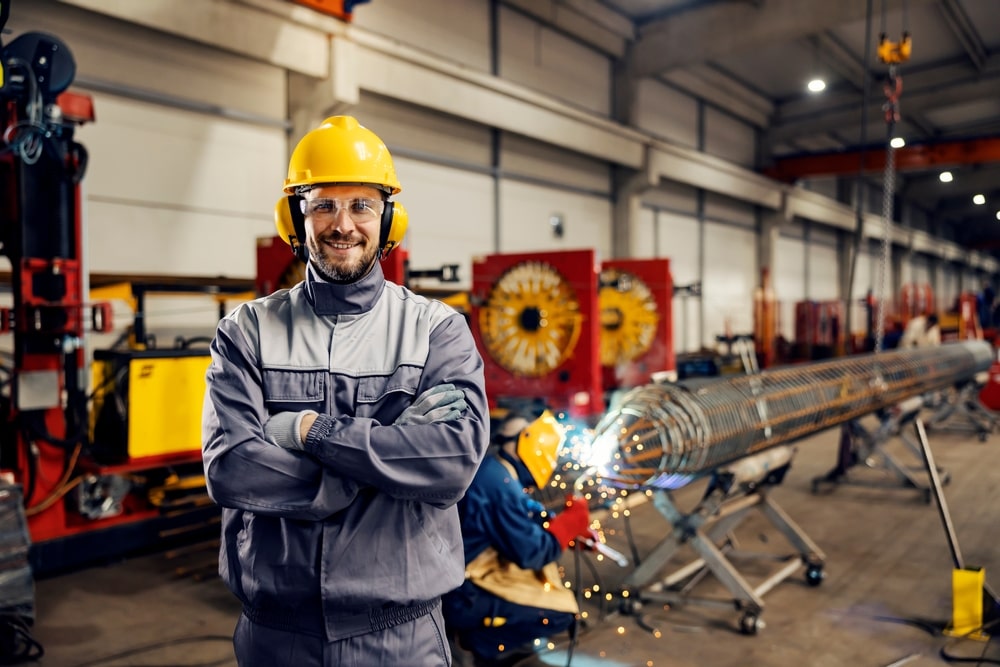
x,y
865,278
726,209
822,185
131,56
413,130
729,138
729,280
524,157
824,280
458,30
672,196
788,281
646,234
678,240
451,217
948,287
666,112
176,192
525,210
540,58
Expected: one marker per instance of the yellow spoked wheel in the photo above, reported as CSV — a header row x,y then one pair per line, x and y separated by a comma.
x,y
531,321
628,317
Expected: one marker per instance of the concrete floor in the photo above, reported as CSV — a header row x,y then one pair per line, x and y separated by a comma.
x,y
884,601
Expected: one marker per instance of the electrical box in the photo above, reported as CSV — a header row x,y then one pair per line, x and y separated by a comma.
x,y
148,403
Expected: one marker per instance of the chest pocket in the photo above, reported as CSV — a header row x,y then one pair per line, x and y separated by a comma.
x,y
383,397
286,390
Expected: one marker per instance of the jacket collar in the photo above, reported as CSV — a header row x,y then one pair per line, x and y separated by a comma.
x,y
344,299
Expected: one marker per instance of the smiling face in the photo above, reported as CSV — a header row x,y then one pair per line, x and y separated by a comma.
x,y
342,249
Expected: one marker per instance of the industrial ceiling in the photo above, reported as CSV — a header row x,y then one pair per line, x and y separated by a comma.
x,y
755,57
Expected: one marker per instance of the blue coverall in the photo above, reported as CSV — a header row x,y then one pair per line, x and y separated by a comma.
x,y
497,512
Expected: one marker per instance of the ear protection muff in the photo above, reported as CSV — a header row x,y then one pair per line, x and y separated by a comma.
x,y
291,225
393,227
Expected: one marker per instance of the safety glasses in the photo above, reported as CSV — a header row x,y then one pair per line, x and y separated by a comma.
x,y
326,209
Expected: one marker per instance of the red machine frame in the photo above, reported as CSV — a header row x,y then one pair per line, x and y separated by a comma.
x,y
45,417
655,273
574,385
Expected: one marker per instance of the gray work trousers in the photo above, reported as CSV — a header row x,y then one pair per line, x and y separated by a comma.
x,y
419,643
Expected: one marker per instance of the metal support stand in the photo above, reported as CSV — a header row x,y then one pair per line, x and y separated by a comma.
x,y
961,411
708,531
861,447
991,605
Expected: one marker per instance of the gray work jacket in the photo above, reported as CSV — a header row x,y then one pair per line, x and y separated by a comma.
x,y
362,523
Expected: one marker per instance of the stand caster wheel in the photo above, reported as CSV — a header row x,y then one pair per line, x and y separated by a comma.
x,y
629,606
815,575
983,436
750,623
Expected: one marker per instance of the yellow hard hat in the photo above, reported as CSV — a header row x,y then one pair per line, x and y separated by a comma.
x,y
538,447
341,150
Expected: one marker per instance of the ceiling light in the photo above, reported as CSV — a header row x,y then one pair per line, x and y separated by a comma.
x,y
998,215
897,142
816,85
978,200
946,177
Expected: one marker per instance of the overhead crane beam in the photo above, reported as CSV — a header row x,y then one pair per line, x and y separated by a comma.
x,y
908,158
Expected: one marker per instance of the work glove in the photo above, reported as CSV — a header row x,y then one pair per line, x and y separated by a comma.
x,y
282,428
573,521
440,403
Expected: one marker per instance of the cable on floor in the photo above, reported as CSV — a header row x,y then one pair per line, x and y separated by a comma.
x,y
16,643
982,659
154,646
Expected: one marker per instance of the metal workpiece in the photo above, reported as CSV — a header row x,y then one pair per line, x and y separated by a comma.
x,y
665,435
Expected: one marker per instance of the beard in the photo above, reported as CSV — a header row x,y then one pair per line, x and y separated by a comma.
x,y
341,269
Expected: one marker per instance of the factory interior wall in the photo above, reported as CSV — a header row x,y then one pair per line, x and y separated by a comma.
x,y
678,238
788,279
865,278
823,281
458,31
167,188
182,182
536,56
525,211
729,138
450,218
665,112
730,276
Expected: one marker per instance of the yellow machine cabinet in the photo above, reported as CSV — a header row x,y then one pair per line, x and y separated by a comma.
x,y
148,403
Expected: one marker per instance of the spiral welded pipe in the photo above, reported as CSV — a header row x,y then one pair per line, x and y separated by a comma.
x,y
663,435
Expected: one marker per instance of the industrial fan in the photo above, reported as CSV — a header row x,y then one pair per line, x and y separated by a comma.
x,y
636,333
531,322
535,321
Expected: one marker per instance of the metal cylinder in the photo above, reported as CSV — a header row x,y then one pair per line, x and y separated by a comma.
x,y
665,435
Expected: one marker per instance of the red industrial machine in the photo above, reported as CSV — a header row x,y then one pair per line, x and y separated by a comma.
x,y
90,489
637,338
536,321
819,329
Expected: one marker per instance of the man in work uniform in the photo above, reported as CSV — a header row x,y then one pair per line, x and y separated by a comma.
x,y
344,419
513,593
